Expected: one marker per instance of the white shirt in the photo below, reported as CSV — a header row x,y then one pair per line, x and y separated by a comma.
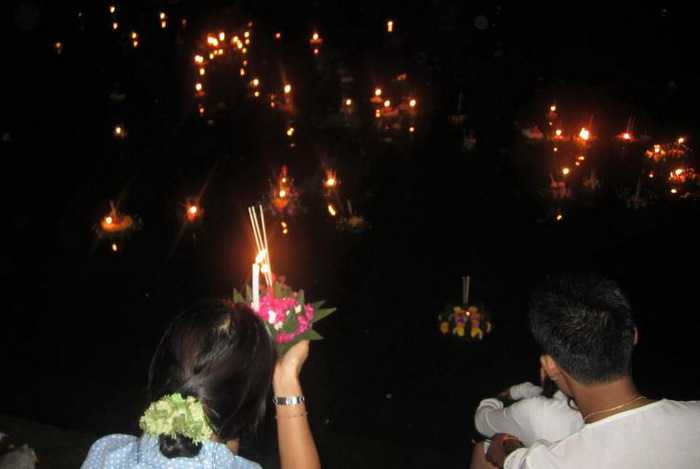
x,y
533,418
663,434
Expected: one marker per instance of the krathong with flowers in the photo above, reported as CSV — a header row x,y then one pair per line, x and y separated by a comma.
x,y
285,312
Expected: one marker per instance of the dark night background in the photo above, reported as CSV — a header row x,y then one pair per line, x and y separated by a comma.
x,y
385,389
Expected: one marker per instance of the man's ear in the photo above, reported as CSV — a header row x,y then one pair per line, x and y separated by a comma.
x,y
636,335
550,367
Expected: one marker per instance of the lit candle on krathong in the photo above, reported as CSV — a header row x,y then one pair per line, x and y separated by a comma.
x,y
348,102
584,134
259,259
387,103
278,36
565,171
412,103
287,88
212,41
222,36
256,94
58,46
377,92
109,220
581,158
282,193
246,34
552,108
285,230
390,26
377,113
290,131
242,71
114,247
556,149
192,212
331,210
674,191
134,39
331,181
198,87
115,25
202,71
559,217
316,40
119,132
201,109
163,20
316,51
255,82
411,129
651,175
112,9
681,140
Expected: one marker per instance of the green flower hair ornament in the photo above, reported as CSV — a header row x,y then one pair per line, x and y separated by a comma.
x,y
174,414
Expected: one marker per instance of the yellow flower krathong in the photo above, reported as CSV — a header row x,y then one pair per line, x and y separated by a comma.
x,y
174,414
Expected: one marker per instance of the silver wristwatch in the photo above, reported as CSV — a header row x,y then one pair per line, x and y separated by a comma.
x,y
291,400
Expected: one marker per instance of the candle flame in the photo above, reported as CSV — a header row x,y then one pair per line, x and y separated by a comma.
x,y
565,171
115,25
109,220
290,131
584,134
114,247
283,194
387,104
348,102
559,216
278,36
202,71
378,92
112,9
557,132
255,82
331,210
390,26
287,88
674,191
222,36
626,136
411,129
412,103
681,141
553,108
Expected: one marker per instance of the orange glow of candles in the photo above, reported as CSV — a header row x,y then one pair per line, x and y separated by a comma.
x,y
244,50
287,88
242,71
198,87
58,46
109,220
284,226
581,158
556,149
282,194
119,132
331,181
557,132
651,175
559,217
247,42
565,171
674,191
412,103
112,9
681,140
315,51
211,56
115,248
657,148
278,36
332,210
202,71
348,102
390,26
584,134
212,41
626,136
256,94
387,103
222,36
246,34
255,82
552,108
377,113
290,131
378,92
412,129
192,213
201,110
115,25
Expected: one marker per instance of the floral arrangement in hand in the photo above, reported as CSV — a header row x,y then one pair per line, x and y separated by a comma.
x,y
286,314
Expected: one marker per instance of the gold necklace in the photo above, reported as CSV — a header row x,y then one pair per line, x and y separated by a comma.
x,y
620,406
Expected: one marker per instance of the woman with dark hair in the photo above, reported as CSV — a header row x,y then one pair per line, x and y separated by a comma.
x,y
209,381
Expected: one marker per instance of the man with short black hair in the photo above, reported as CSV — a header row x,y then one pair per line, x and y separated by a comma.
x,y
584,327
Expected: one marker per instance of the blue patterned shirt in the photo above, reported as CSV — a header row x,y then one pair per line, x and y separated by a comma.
x,y
131,452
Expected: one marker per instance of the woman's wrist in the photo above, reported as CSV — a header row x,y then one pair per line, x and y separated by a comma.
x,y
284,387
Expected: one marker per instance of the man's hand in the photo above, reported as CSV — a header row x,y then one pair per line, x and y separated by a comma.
x,y
502,444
